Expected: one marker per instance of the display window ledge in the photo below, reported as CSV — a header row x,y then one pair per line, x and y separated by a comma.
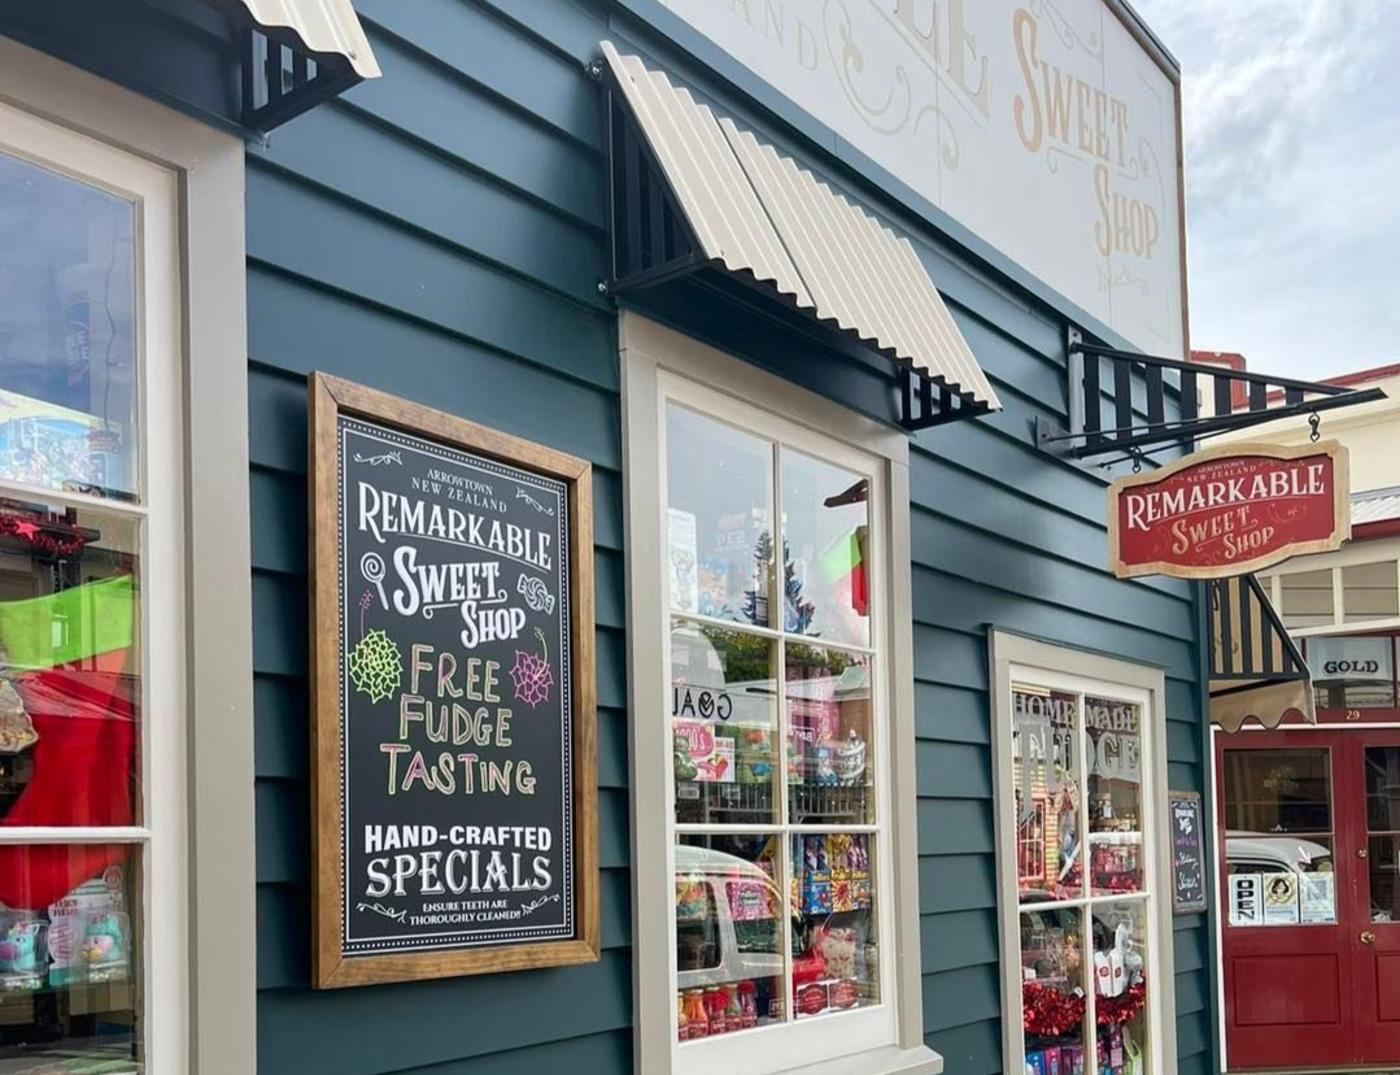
x,y
889,1060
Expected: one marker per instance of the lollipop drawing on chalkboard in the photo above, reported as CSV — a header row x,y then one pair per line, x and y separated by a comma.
x,y
374,662
532,675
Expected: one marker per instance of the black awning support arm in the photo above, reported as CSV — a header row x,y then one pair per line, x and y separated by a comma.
x,y
1238,400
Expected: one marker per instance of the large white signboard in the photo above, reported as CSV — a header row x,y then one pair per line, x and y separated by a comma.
x,y
1041,125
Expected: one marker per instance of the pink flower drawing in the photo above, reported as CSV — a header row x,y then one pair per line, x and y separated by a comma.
x,y
532,676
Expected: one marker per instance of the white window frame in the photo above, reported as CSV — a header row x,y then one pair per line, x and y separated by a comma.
x,y
1017,659
1379,551
660,366
201,977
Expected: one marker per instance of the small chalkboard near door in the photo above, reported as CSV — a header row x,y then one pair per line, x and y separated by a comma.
x,y
453,740
1188,853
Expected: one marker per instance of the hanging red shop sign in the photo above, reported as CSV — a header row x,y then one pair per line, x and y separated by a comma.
x,y
1229,511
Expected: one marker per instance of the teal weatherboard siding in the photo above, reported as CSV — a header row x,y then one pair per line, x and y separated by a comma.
x,y
439,234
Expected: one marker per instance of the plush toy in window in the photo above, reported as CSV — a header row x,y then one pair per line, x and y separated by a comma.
x,y
19,947
104,941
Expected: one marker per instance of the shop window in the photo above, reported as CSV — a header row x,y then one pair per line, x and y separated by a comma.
x,y
88,582
1090,991
1370,592
774,699
1352,673
769,778
1306,599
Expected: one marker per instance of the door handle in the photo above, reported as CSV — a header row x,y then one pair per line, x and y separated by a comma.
x,y
1362,853
1367,937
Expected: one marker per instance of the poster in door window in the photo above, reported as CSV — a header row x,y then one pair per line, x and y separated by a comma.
x,y
1280,899
454,700
1246,899
1317,898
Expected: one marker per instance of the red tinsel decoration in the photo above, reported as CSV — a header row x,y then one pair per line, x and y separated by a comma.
x,y
1110,1011
1047,1012
40,535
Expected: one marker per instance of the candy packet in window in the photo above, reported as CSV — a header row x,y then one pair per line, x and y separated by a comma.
x,y
90,932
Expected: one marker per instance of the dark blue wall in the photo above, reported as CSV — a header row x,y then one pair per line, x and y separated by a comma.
x,y
439,234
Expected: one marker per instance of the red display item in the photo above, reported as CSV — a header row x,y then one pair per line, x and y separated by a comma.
x,y
844,994
697,1018
69,655
1048,1013
717,1008
748,1004
1114,1011
812,998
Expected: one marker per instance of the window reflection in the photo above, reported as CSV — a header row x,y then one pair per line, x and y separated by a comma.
x,y
1306,599
826,533
1049,829
67,333
1352,673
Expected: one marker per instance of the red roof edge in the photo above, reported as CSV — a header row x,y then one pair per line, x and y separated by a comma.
x,y
1381,528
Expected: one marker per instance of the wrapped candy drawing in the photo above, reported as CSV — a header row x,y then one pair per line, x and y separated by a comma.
x,y
16,729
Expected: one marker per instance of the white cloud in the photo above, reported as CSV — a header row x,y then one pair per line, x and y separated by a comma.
x,y
1292,121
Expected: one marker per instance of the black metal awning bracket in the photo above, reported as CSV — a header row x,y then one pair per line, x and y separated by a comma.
x,y
1139,426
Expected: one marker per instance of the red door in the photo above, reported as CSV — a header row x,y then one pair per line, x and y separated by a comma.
x,y
1376,906
1310,839
1286,980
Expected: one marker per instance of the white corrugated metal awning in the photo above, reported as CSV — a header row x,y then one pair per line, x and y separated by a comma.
x,y
755,211
327,27
1375,506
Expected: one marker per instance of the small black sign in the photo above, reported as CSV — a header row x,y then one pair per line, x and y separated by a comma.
x,y
1188,853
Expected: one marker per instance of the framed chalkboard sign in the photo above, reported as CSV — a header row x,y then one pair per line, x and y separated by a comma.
x,y
1188,852
453,740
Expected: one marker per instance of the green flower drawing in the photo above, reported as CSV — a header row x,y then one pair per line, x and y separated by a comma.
x,y
376,666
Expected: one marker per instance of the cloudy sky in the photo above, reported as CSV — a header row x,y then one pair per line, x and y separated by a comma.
x,y
1292,121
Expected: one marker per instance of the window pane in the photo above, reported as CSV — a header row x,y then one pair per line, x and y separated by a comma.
x,y
1273,792
724,710
836,962
1352,673
1121,982
69,693
68,976
67,333
1305,599
729,934
1115,795
719,533
1383,821
1369,592
1052,990
830,719
1045,760
826,535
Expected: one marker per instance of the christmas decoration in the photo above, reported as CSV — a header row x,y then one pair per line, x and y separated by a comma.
x,y
51,538
531,675
1112,1011
376,666
1049,1013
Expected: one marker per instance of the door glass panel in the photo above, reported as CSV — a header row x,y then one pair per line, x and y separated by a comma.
x,y
1352,673
826,536
719,519
67,333
1121,984
1279,841
1052,989
1115,795
1369,592
68,971
1305,598
729,934
830,776
724,712
1045,764
1383,825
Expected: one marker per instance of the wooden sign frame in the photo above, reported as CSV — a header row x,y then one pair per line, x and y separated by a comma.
x,y
1194,798
329,398
1341,510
